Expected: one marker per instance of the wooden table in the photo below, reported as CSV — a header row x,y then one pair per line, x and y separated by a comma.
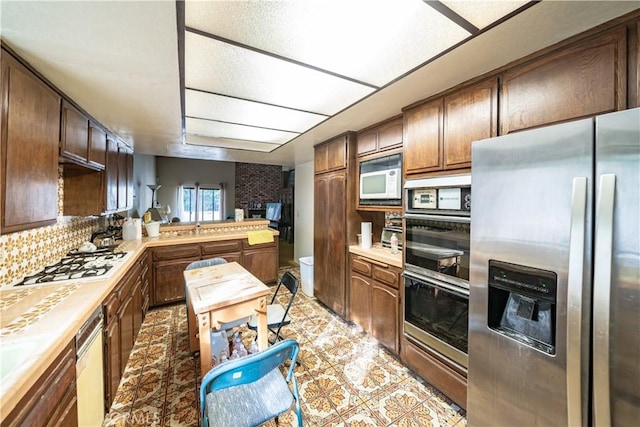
x,y
221,294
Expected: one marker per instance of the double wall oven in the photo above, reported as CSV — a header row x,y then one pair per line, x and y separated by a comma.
x,y
436,275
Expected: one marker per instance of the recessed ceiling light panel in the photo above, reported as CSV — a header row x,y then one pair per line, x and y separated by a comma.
x,y
234,131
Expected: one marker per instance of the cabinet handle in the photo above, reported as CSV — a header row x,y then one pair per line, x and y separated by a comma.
x,y
378,263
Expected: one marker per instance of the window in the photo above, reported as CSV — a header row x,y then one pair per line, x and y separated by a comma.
x,y
200,203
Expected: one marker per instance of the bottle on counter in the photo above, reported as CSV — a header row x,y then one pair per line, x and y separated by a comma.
x,y
394,243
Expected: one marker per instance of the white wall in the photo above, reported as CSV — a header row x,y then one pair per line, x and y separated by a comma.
x,y
303,211
173,172
144,173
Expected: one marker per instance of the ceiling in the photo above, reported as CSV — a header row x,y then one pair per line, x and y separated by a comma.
x,y
257,81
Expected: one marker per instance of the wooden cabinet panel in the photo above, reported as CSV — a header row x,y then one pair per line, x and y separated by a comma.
x,y
469,115
137,308
361,266
111,361
213,248
585,80
331,155
423,138
52,401
262,263
176,252
367,141
97,146
385,309
390,135
30,122
168,280
74,141
432,369
125,319
360,301
111,175
389,275
330,241
122,176
129,179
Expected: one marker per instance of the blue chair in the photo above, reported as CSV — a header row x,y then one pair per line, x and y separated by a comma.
x,y
250,391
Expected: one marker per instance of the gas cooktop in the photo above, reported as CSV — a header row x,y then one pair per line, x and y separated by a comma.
x,y
76,265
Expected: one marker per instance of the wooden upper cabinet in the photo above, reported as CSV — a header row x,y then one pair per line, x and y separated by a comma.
x,y
382,137
123,170
97,146
423,138
470,114
30,119
74,141
331,155
587,79
111,175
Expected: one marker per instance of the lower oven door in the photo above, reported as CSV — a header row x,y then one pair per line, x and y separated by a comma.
x,y
436,314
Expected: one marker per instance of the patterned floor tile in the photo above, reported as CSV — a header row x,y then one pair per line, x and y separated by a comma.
x,y
345,377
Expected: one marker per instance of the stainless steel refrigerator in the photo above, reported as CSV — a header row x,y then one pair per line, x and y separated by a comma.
x,y
554,320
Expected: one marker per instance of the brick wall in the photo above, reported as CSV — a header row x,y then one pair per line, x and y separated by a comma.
x,y
257,183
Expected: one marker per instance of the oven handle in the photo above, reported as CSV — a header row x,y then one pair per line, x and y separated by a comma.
x,y
444,285
448,218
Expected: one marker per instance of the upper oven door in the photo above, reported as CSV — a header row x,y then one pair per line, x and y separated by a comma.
x,y
438,247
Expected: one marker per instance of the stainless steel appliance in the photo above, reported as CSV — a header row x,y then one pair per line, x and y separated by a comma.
x,y
76,265
555,276
436,259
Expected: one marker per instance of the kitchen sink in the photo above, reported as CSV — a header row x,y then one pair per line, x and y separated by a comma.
x,y
13,354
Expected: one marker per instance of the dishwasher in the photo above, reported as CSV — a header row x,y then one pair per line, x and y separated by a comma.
x,y
89,371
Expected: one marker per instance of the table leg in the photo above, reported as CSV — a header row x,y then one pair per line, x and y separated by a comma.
x,y
192,327
205,343
261,318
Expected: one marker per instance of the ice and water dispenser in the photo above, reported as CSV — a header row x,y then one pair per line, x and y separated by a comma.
x,y
522,304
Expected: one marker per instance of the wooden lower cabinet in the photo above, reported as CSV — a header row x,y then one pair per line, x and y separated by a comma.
x,y
374,300
169,263
124,310
435,371
52,401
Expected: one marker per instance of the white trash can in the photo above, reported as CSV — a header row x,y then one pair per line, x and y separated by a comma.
x,y
306,274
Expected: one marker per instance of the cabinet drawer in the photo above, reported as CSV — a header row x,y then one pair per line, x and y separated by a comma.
x,y
176,252
221,247
246,245
386,275
361,266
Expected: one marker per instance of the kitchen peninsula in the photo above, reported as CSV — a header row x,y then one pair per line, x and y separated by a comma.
x,y
42,321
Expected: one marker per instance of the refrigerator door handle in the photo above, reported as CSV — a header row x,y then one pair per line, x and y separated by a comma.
x,y
603,251
574,301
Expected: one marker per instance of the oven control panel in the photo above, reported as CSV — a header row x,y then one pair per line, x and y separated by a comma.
x,y
425,198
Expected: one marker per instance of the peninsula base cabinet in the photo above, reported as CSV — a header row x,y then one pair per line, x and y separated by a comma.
x,y
169,262
52,401
374,300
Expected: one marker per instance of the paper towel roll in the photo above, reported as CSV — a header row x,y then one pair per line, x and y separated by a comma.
x,y
365,229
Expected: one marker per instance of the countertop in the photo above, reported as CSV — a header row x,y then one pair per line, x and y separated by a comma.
x,y
378,253
38,322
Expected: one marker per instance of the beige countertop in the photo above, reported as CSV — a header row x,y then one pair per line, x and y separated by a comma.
x,y
378,253
38,321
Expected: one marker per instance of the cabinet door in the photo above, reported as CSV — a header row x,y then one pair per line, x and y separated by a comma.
x,y
423,138
112,361
137,308
168,282
360,301
129,179
30,133
337,153
111,174
262,263
367,141
74,143
385,306
97,146
582,81
469,115
125,319
122,176
329,240
390,135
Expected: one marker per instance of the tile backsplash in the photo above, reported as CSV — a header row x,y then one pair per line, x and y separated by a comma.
x,y
25,252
